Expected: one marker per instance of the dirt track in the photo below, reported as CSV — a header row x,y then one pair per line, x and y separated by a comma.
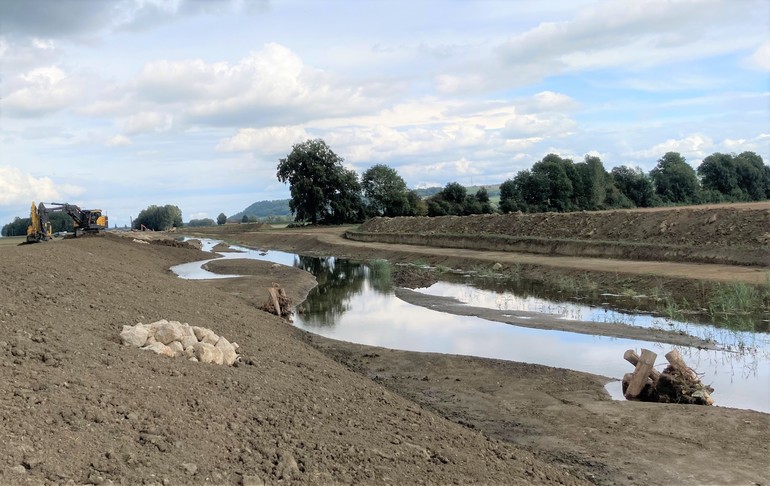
x,y
81,408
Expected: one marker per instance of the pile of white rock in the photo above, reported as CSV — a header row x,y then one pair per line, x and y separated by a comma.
x,y
175,339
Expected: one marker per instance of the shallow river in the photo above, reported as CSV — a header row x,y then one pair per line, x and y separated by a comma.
x,y
355,302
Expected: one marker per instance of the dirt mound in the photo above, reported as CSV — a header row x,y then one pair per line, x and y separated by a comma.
x,y
731,234
82,408
411,277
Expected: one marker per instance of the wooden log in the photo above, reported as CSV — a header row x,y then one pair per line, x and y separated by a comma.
x,y
641,374
274,299
676,362
633,358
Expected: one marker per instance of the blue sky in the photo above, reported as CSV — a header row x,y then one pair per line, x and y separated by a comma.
x,y
119,104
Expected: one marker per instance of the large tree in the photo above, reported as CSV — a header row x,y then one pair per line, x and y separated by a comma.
x,y
322,190
717,172
221,219
752,176
635,184
674,180
159,218
385,192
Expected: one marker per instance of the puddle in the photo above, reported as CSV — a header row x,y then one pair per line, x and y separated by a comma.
x,y
509,301
355,302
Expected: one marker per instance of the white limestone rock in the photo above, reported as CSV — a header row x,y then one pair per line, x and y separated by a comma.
x,y
207,353
210,338
188,341
168,332
161,349
134,335
175,339
199,332
176,347
228,351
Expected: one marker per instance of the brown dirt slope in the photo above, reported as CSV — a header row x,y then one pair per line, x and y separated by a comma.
x,y
78,407
731,234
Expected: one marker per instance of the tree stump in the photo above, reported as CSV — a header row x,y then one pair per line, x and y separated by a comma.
x,y
678,383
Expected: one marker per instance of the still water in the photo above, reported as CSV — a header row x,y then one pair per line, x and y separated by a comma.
x,y
355,302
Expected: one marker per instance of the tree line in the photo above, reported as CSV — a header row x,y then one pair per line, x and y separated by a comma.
x,y
59,222
323,191
559,184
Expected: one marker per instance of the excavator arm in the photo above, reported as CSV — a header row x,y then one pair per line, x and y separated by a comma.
x,y
39,228
85,220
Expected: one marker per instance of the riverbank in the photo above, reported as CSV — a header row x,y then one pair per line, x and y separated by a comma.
x,y
80,408
563,417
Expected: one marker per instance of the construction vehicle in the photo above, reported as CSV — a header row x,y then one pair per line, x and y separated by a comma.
x,y
85,220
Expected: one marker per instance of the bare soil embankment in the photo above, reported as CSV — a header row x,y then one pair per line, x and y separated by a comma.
x,y
80,408
727,234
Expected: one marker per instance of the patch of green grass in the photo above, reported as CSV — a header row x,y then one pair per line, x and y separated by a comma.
x,y
628,293
673,310
575,285
735,298
737,305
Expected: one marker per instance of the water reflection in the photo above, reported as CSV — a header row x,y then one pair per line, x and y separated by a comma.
x,y
339,281
354,302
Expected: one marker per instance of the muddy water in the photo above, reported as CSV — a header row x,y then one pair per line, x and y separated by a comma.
x,y
355,302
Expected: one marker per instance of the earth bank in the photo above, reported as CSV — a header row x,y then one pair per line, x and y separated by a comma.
x,y
81,408
561,416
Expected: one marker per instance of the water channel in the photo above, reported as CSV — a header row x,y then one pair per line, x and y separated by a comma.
x,y
355,302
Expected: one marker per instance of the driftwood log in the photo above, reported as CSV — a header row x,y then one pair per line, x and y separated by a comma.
x,y
678,383
278,302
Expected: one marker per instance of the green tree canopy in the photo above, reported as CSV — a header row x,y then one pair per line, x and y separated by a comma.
x,y
674,180
385,192
159,218
201,222
322,190
753,176
635,184
221,219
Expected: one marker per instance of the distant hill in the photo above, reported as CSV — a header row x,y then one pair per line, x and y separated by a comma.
x,y
279,208
492,189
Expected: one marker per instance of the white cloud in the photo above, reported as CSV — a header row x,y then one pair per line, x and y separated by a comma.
x,y
693,146
760,143
19,188
148,122
761,57
118,141
633,36
270,140
269,87
42,90
541,125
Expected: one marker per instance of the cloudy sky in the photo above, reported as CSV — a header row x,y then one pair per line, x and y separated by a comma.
x,y
119,104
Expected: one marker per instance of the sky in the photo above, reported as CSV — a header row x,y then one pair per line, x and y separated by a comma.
x,y
120,104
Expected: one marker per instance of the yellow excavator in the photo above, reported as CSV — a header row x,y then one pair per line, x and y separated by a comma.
x,y
85,220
